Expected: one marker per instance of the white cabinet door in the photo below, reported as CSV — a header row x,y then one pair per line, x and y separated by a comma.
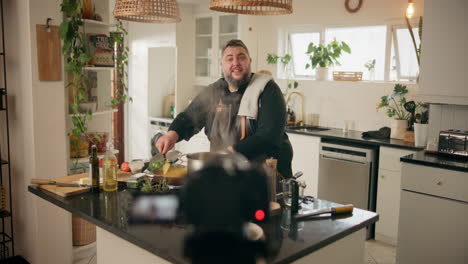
x,y
388,205
306,159
212,31
432,230
388,193
444,75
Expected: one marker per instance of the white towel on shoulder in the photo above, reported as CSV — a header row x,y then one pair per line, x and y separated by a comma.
x,y
249,102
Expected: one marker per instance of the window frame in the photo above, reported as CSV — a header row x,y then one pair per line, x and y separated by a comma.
x,y
391,25
397,52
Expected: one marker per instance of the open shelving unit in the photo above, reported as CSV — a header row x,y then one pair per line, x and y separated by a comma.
x,y
6,214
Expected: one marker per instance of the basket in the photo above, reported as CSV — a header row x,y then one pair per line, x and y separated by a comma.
x,y
347,76
83,232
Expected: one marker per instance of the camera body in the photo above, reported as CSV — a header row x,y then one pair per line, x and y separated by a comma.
x,y
226,192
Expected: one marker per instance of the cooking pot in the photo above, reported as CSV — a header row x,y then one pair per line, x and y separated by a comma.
x,y
198,160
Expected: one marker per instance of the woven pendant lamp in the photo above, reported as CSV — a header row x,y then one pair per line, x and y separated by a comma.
x,y
253,7
148,11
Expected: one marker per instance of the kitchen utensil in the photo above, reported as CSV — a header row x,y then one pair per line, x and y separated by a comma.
x,y
52,182
425,117
344,209
410,107
418,118
196,161
298,174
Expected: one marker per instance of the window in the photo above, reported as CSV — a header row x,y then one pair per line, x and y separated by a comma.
x,y
404,64
391,46
366,43
298,47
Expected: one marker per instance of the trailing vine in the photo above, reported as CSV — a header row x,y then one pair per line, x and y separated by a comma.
x,y
121,63
76,57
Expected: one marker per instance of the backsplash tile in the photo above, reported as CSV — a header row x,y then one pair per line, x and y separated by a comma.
x,y
443,117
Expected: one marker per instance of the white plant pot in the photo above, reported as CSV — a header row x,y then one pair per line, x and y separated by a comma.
x,y
321,73
420,134
398,128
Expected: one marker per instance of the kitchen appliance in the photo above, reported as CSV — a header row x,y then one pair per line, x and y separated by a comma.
x,y
348,175
454,143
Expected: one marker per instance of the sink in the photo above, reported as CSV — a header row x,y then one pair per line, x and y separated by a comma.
x,y
308,128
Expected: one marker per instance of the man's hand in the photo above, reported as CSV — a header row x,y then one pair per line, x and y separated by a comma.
x,y
167,142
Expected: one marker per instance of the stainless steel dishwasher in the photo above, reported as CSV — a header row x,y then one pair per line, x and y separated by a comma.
x,y
347,175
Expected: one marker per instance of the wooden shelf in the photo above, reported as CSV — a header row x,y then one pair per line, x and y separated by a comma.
x,y
4,214
98,113
98,68
228,34
95,23
3,162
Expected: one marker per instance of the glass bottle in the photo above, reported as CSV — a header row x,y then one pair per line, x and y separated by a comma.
x,y
109,169
94,170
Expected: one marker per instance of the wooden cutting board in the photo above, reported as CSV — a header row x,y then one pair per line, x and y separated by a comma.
x,y
69,191
49,59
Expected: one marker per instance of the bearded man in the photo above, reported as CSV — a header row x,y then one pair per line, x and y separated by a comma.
x,y
243,112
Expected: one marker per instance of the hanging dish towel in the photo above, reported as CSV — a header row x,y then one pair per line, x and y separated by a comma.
x,y
249,102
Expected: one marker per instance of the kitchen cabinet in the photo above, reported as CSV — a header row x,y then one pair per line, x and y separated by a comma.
x,y
388,193
443,75
211,34
306,159
433,213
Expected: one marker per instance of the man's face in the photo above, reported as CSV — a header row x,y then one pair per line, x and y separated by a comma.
x,y
236,66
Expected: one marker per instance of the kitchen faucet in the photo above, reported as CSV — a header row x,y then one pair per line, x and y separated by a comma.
x,y
288,97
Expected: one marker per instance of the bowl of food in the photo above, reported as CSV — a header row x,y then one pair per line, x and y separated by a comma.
x,y
174,175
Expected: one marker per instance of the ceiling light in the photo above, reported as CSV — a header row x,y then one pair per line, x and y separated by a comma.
x,y
410,9
148,11
253,7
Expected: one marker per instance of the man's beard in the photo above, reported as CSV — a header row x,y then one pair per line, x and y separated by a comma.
x,y
238,83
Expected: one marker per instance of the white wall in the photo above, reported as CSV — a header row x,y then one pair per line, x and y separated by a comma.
x,y
141,37
37,120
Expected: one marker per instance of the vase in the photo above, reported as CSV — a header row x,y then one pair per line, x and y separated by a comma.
x,y
420,134
321,74
398,128
371,75
87,9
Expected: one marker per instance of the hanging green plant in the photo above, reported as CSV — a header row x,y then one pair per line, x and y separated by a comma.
x,y
286,61
76,57
121,64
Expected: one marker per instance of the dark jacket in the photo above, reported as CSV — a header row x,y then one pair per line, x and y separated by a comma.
x,y
269,138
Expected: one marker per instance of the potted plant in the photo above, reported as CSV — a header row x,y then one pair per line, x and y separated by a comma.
x,y
322,56
395,109
287,69
370,66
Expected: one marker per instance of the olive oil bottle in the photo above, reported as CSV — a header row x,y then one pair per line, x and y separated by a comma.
x,y
109,169
94,170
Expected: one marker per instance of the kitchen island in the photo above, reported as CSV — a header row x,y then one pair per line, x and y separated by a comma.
x,y
323,239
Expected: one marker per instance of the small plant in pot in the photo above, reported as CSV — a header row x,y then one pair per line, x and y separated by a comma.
x,y
395,109
322,56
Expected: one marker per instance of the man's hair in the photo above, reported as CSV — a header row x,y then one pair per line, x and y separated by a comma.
x,y
235,43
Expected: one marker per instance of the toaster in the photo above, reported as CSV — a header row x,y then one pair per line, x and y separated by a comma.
x,y
454,143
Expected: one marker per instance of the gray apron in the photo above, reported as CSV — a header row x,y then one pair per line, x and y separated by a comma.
x,y
228,128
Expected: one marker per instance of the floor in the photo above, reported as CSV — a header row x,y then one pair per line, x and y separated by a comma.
x,y
378,252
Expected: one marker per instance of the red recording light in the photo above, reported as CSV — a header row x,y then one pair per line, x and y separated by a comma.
x,y
259,215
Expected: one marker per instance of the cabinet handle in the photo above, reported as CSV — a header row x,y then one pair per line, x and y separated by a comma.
x,y
439,182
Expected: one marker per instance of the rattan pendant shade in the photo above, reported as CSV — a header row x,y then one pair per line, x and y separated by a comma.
x,y
148,11
253,7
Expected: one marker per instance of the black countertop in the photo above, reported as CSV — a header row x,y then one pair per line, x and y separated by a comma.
x,y
437,161
356,137
109,211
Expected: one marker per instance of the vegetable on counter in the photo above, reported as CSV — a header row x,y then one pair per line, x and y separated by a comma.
x,y
125,167
155,165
